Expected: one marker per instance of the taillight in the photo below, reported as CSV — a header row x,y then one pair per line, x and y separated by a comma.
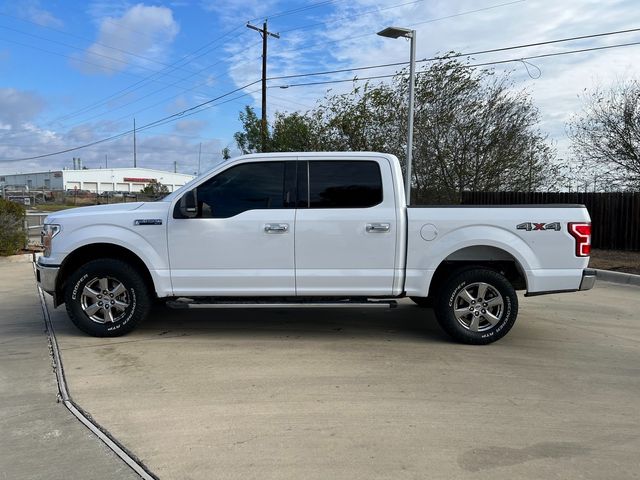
x,y
582,233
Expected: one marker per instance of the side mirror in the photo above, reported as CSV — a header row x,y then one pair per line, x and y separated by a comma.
x,y
188,204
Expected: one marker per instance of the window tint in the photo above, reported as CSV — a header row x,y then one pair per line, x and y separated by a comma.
x,y
245,187
344,184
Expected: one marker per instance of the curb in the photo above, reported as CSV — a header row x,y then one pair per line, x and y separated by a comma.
x,y
618,277
20,258
76,410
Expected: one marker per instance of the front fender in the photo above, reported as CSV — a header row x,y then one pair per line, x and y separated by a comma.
x,y
147,243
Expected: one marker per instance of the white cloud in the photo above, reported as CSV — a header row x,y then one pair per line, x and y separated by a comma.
x,y
349,40
190,126
140,31
18,106
41,16
239,10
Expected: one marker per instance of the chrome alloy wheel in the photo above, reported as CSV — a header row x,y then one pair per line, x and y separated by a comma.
x,y
478,307
104,300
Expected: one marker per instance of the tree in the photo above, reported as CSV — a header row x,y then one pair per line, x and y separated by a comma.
x,y
226,154
155,189
605,136
289,133
12,233
249,139
472,130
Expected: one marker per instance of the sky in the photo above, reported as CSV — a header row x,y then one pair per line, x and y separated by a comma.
x,y
74,73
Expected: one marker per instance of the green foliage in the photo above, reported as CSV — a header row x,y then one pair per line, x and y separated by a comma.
x,y
472,131
155,189
290,133
12,234
249,139
226,154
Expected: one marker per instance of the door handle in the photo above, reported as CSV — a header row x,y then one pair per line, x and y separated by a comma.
x,y
276,228
378,227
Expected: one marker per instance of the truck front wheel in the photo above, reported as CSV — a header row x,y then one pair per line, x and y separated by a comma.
x,y
477,306
106,298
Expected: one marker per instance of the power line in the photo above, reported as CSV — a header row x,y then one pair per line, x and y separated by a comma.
x,y
73,35
75,47
141,83
158,122
497,62
432,20
208,104
458,55
182,91
358,15
480,52
295,10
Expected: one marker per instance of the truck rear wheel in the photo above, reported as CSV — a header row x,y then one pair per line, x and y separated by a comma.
x,y
106,298
477,306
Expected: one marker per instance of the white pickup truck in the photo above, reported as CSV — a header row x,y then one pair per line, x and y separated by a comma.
x,y
310,229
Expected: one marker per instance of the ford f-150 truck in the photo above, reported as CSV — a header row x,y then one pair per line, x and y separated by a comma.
x,y
328,229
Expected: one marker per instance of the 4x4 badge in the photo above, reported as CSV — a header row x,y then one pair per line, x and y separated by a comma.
x,y
533,226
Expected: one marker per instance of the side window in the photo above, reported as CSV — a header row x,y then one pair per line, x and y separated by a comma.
x,y
344,184
249,186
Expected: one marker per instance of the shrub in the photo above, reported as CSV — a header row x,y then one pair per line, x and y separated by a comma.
x,y
12,234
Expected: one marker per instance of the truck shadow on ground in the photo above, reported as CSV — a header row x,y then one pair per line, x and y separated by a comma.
x,y
407,322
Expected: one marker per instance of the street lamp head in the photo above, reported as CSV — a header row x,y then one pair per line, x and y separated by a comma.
x,y
396,32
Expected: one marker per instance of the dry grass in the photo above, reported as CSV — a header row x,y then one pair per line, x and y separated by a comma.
x,y
616,260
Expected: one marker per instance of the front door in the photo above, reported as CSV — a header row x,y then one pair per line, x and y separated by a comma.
x,y
238,240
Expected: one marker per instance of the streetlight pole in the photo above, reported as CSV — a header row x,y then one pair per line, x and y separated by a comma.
x,y
396,32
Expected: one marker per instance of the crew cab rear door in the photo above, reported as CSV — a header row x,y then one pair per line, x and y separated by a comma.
x,y
346,230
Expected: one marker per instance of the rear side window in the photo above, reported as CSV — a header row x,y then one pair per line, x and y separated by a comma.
x,y
344,184
249,186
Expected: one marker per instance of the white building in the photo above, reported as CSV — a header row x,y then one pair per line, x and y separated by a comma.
x,y
96,180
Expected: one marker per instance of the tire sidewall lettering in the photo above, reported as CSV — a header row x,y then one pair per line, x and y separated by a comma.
x,y
504,321
74,294
130,314
455,293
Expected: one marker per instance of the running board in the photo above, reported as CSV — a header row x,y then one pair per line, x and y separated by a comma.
x,y
209,303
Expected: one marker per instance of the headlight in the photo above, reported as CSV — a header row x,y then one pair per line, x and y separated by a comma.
x,y
48,232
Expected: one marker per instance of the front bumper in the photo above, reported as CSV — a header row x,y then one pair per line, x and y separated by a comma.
x,y
588,279
46,276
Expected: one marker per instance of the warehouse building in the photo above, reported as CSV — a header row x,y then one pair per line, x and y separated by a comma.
x,y
95,180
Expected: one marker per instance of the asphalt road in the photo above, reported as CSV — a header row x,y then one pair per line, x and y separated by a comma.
x,y
370,394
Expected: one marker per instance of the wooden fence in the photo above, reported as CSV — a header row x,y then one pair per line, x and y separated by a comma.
x,y
615,216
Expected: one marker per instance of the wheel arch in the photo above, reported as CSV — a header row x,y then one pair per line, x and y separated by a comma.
x,y
490,257
93,251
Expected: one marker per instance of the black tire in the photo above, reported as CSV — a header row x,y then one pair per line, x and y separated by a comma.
x,y
487,320
425,302
131,300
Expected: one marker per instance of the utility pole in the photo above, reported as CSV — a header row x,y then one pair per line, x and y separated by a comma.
x,y
199,154
175,166
135,162
265,34
106,161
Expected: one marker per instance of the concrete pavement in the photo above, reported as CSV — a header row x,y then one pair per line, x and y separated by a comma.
x,y
39,438
368,394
